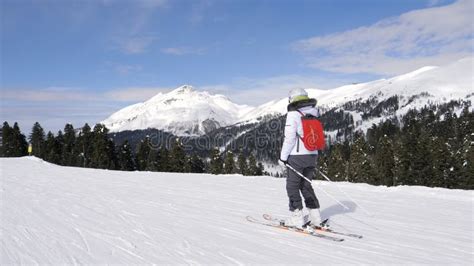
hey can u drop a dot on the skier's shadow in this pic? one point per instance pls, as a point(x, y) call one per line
point(337, 209)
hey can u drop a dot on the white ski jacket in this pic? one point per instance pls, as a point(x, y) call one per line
point(293, 145)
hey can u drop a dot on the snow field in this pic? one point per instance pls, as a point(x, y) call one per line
point(64, 215)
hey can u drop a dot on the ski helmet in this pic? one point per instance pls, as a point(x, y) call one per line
point(297, 94)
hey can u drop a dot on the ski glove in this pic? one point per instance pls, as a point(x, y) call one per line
point(282, 163)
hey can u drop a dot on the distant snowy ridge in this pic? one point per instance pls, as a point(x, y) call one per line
point(186, 111)
point(450, 82)
point(183, 111)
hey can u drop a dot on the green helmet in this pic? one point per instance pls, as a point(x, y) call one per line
point(297, 94)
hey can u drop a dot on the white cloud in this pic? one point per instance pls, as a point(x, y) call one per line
point(127, 69)
point(133, 34)
point(47, 94)
point(258, 91)
point(183, 51)
point(141, 3)
point(198, 10)
point(136, 45)
point(434, 2)
point(152, 3)
point(121, 69)
point(54, 107)
point(133, 94)
point(431, 36)
point(63, 94)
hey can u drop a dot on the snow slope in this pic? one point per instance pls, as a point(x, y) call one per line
point(183, 111)
point(64, 215)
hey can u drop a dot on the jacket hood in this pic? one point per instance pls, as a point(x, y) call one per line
point(300, 104)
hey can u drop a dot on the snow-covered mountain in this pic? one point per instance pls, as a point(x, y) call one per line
point(56, 215)
point(183, 111)
point(429, 84)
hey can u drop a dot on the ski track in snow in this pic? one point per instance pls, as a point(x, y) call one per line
point(64, 215)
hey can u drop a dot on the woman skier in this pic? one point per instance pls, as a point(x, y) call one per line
point(294, 153)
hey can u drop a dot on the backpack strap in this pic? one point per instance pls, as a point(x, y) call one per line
point(298, 135)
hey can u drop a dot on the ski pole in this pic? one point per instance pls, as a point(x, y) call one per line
point(343, 192)
point(307, 179)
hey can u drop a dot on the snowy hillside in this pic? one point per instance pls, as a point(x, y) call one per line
point(183, 111)
point(186, 111)
point(65, 215)
point(442, 84)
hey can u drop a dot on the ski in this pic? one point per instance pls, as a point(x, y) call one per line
point(323, 229)
point(307, 231)
point(268, 217)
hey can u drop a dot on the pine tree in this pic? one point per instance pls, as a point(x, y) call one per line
point(252, 166)
point(405, 153)
point(49, 147)
point(467, 173)
point(69, 157)
point(423, 160)
point(52, 149)
point(441, 166)
point(84, 147)
point(143, 152)
point(37, 140)
point(19, 142)
point(385, 162)
point(447, 128)
point(177, 160)
point(8, 148)
point(215, 165)
point(337, 164)
point(466, 136)
point(260, 169)
point(197, 165)
point(322, 162)
point(396, 159)
point(229, 164)
point(112, 155)
point(102, 156)
point(164, 155)
point(187, 164)
point(153, 161)
point(59, 146)
point(243, 167)
point(360, 163)
point(125, 157)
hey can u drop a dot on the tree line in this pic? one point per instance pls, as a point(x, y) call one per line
point(433, 146)
point(93, 148)
point(425, 148)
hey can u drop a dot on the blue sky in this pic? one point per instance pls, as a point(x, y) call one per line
point(79, 61)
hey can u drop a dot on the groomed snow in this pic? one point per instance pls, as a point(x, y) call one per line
point(65, 215)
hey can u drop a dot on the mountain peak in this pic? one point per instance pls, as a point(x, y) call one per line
point(184, 89)
point(183, 111)
point(188, 111)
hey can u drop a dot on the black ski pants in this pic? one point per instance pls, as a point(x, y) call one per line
point(295, 184)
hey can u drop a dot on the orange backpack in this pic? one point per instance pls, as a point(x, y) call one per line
point(313, 134)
